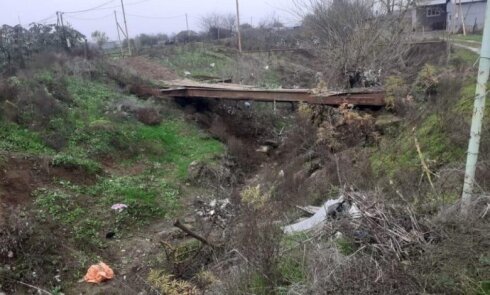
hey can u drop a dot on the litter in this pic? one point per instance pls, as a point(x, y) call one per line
point(119, 207)
point(330, 208)
point(99, 273)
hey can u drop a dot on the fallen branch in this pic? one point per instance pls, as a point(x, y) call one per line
point(41, 291)
point(196, 236)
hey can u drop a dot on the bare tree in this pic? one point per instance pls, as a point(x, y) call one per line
point(100, 38)
point(353, 36)
point(219, 26)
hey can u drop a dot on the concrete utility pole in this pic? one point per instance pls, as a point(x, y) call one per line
point(118, 33)
point(238, 26)
point(477, 120)
point(126, 27)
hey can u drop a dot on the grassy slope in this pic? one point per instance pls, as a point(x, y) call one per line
point(94, 136)
point(398, 155)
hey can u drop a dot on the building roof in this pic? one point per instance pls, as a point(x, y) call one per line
point(440, 2)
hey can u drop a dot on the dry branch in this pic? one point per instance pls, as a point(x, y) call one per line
point(196, 236)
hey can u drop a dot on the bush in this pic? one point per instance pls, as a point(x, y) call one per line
point(426, 84)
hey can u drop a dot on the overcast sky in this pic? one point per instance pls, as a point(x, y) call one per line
point(144, 16)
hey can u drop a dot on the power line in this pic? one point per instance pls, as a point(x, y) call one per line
point(156, 17)
point(89, 19)
point(89, 9)
point(46, 18)
point(115, 6)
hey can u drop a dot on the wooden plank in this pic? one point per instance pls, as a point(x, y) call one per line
point(360, 98)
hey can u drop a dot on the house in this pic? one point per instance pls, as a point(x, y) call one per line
point(437, 15)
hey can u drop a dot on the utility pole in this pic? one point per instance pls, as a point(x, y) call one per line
point(477, 120)
point(126, 27)
point(187, 26)
point(118, 33)
point(65, 41)
point(238, 27)
point(461, 16)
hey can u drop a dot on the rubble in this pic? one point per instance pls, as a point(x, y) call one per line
point(217, 211)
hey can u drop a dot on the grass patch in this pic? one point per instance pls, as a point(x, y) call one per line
point(73, 162)
point(466, 103)
point(85, 211)
point(472, 37)
point(463, 56)
point(14, 138)
point(436, 147)
point(90, 99)
point(181, 143)
point(63, 208)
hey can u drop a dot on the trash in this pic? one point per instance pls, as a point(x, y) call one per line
point(218, 211)
point(317, 219)
point(330, 208)
point(186, 73)
point(119, 207)
point(98, 273)
point(212, 65)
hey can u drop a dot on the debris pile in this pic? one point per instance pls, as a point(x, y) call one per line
point(215, 211)
point(368, 222)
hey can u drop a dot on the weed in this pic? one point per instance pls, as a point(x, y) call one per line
point(292, 270)
point(13, 138)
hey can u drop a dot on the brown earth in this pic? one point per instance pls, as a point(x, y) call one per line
point(21, 175)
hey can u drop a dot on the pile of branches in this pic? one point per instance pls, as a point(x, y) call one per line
point(391, 232)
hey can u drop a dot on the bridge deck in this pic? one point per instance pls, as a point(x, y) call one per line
point(191, 89)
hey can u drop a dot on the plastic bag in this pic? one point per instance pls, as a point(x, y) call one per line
point(98, 273)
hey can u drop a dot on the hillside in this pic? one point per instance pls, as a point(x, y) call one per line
point(79, 137)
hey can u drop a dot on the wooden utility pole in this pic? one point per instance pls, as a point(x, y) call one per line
point(65, 41)
point(126, 27)
point(461, 16)
point(118, 33)
point(238, 26)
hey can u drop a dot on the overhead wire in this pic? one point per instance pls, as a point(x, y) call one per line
point(101, 7)
point(156, 17)
point(46, 18)
point(89, 9)
point(90, 19)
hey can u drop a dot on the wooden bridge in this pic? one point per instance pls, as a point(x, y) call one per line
point(189, 89)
